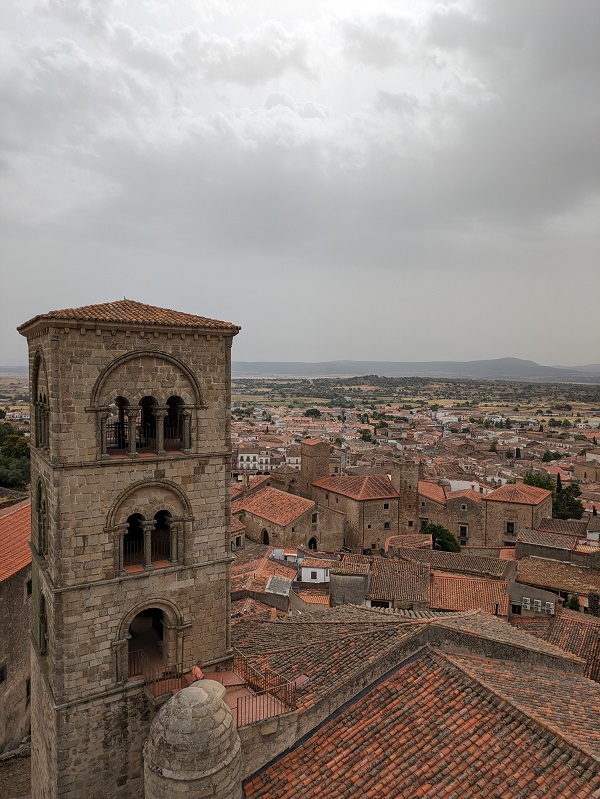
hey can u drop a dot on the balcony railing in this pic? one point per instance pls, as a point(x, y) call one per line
point(158, 682)
point(273, 694)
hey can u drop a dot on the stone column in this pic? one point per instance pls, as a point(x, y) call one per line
point(184, 551)
point(118, 534)
point(174, 533)
point(132, 415)
point(121, 648)
point(160, 413)
point(148, 527)
point(187, 430)
point(103, 415)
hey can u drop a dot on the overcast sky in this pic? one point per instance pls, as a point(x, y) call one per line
point(374, 180)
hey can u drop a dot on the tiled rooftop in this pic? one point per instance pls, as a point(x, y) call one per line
point(15, 532)
point(273, 505)
point(457, 562)
point(131, 312)
point(409, 541)
point(373, 486)
point(432, 491)
point(547, 539)
point(577, 633)
point(518, 494)
point(442, 726)
point(352, 564)
point(454, 592)
point(467, 493)
point(559, 576)
point(565, 526)
point(398, 580)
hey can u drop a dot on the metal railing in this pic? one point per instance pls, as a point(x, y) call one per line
point(173, 438)
point(117, 435)
point(273, 694)
point(158, 682)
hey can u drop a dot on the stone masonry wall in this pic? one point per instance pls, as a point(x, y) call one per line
point(15, 607)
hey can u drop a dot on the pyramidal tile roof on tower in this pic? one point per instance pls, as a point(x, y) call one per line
point(130, 312)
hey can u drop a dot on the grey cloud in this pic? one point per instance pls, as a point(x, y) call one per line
point(378, 41)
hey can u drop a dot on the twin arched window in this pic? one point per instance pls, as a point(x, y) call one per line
point(149, 543)
point(147, 427)
point(41, 517)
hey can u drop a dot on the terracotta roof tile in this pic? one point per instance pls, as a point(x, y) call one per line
point(131, 312)
point(546, 539)
point(457, 562)
point(564, 526)
point(314, 596)
point(467, 493)
point(15, 532)
point(409, 541)
point(273, 505)
point(432, 491)
point(518, 494)
point(559, 576)
point(373, 486)
point(449, 726)
point(397, 580)
point(577, 633)
point(453, 592)
point(353, 564)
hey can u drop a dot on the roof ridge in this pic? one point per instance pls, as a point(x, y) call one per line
point(498, 699)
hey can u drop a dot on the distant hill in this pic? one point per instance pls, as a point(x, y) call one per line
point(14, 370)
point(496, 369)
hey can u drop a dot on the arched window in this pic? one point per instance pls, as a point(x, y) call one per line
point(41, 513)
point(146, 426)
point(146, 643)
point(265, 537)
point(174, 425)
point(117, 427)
point(42, 626)
point(312, 544)
point(41, 419)
point(160, 542)
point(133, 541)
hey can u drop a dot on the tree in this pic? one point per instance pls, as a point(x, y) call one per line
point(538, 479)
point(558, 483)
point(366, 435)
point(14, 446)
point(565, 504)
point(573, 602)
point(314, 412)
point(442, 538)
point(494, 446)
point(551, 455)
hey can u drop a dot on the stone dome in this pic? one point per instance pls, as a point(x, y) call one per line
point(194, 744)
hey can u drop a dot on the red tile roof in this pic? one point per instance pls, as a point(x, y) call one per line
point(518, 494)
point(253, 575)
point(273, 505)
point(559, 576)
point(373, 486)
point(467, 493)
point(449, 726)
point(131, 312)
point(15, 532)
point(399, 581)
point(432, 491)
point(236, 525)
point(253, 483)
point(318, 563)
point(314, 596)
point(453, 592)
point(409, 541)
point(353, 564)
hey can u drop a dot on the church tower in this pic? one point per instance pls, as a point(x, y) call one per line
point(405, 475)
point(130, 471)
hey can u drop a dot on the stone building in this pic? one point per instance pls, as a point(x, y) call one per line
point(484, 520)
point(15, 607)
point(274, 517)
point(130, 472)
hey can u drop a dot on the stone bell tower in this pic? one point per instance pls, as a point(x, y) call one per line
point(130, 463)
